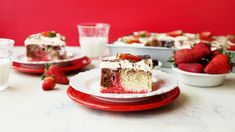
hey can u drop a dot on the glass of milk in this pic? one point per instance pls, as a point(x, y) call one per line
point(6, 46)
point(92, 38)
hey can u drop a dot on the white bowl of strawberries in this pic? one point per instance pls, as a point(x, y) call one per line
point(202, 67)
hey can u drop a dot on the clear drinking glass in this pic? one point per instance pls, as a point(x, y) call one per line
point(6, 46)
point(92, 38)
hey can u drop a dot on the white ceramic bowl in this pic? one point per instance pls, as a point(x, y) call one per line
point(199, 79)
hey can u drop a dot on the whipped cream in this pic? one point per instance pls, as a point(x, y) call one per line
point(42, 40)
point(145, 64)
point(164, 37)
point(220, 41)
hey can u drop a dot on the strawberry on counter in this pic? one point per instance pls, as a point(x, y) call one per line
point(48, 83)
point(57, 73)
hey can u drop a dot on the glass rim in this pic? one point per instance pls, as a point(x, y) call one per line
point(9, 41)
point(92, 25)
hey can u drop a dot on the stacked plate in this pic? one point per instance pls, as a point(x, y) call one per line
point(84, 89)
point(75, 60)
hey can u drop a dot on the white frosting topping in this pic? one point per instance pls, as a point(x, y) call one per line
point(145, 64)
point(187, 40)
point(164, 37)
point(42, 40)
point(220, 41)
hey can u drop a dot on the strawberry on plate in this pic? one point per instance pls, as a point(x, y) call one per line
point(220, 64)
point(57, 73)
point(191, 67)
point(175, 33)
point(48, 83)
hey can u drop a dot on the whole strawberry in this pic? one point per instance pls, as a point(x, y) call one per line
point(57, 72)
point(184, 56)
point(201, 50)
point(215, 53)
point(191, 67)
point(220, 64)
point(48, 83)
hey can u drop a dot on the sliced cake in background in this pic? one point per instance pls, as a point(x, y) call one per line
point(45, 46)
point(126, 73)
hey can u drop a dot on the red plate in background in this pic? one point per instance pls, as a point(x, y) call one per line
point(151, 103)
point(66, 66)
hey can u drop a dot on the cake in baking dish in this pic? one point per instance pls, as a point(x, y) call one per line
point(126, 73)
point(45, 46)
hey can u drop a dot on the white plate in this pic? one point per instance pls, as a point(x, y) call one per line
point(72, 54)
point(89, 82)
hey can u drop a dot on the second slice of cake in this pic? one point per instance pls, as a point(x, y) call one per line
point(126, 73)
point(45, 46)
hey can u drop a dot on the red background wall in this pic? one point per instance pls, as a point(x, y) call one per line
point(20, 18)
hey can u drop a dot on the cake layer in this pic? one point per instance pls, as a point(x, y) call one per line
point(36, 52)
point(45, 46)
point(125, 81)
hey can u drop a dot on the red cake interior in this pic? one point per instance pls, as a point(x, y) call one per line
point(111, 80)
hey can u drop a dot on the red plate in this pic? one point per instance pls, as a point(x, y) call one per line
point(92, 102)
point(70, 66)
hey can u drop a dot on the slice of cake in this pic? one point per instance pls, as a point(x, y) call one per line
point(45, 46)
point(126, 73)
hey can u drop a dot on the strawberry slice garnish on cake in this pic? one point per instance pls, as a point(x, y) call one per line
point(231, 37)
point(175, 33)
point(129, 57)
point(48, 34)
point(141, 34)
point(231, 47)
point(206, 36)
point(130, 40)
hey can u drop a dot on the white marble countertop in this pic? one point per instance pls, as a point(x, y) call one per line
point(25, 107)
